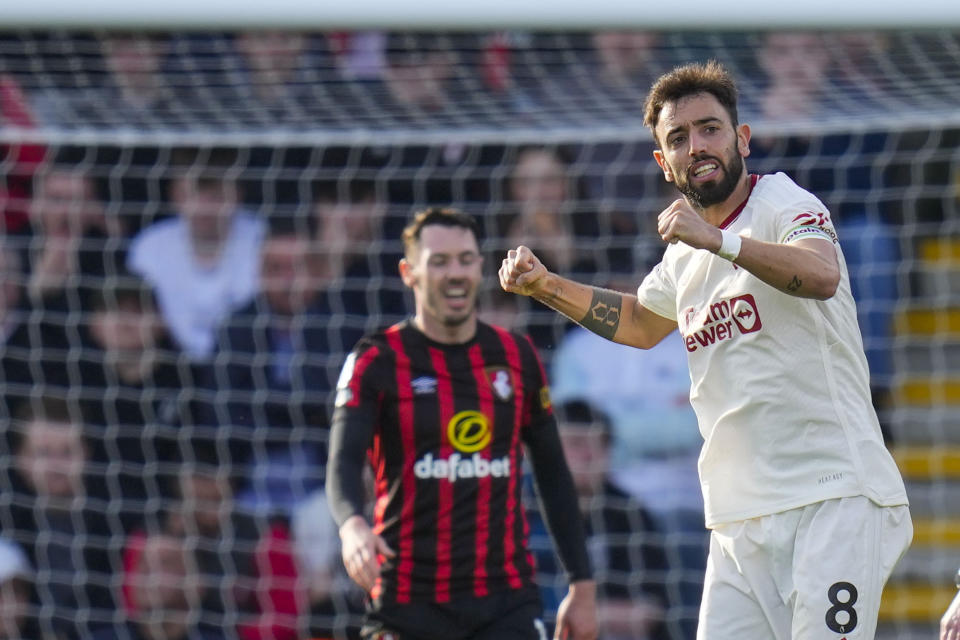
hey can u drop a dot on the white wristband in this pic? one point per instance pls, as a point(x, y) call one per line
point(729, 245)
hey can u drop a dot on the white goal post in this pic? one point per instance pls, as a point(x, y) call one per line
point(441, 14)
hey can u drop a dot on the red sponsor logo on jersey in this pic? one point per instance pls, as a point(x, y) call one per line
point(720, 321)
point(812, 218)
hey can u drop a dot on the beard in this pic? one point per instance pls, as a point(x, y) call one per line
point(710, 193)
point(456, 321)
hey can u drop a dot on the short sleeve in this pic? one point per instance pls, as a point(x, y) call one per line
point(806, 219)
point(658, 292)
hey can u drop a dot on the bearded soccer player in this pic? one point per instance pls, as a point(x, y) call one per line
point(807, 510)
point(441, 405)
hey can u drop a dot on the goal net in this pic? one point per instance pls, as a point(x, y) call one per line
point(166, 403)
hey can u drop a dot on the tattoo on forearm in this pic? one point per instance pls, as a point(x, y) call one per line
point(548, 298)
point(551, 298)
point(603, 318)
point(794, 284)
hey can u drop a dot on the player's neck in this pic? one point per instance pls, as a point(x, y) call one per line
point(446, 334)
point(718, 213)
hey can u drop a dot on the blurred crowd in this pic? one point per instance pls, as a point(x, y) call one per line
point(357, 80)
point(174, 316)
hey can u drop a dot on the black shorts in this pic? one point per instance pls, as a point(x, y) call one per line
point(509, 615)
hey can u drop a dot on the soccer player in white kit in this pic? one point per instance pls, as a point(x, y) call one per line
point(807, 510)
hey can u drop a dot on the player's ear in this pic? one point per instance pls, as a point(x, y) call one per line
point(667, 173)
point(406, 272)
point(743, 140)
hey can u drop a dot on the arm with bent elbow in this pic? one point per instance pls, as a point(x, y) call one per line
point(807, 268)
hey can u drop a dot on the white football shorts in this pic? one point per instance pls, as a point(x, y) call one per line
point(806, 574)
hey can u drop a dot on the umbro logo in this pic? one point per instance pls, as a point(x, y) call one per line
point(424, 385)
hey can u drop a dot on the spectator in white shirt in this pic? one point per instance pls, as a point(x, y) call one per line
point(204, 262)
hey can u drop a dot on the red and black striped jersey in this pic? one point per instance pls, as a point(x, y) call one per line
point(448, 423)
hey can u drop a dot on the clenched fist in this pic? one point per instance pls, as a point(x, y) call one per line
point(522, 272)
point(681, 223)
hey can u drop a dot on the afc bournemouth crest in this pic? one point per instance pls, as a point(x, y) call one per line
point(501, 382)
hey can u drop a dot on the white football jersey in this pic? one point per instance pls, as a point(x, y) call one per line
point(779, 383)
